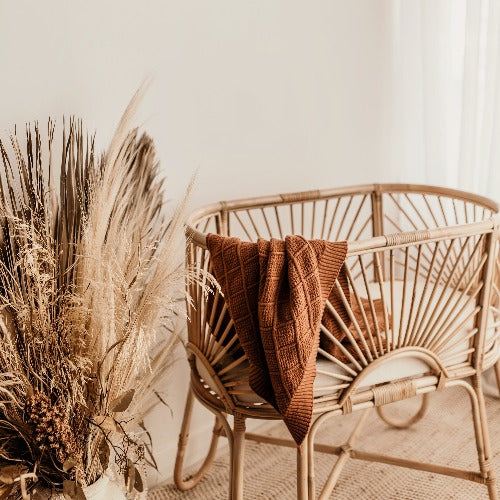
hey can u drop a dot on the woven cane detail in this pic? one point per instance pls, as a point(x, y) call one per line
point(389, 393)
point(409, 237)
point(347, 408)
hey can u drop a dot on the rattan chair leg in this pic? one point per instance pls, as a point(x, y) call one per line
point(311, 483)
point(302, 470)
point(182, 484)
point(484, 448)
point(238, 457)
point(334, 475)
point(481, 432)
point(497, 375)
point(344, 455)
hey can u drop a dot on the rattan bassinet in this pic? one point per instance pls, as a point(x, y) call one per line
point(428, 254)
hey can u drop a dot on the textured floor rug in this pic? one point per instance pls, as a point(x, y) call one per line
point(445, 436)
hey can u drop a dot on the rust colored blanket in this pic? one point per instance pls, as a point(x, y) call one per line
point(275, 292)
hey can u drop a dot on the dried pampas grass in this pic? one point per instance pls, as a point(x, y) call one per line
point(89, 284)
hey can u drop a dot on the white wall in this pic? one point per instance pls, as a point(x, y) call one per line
point(260, 96)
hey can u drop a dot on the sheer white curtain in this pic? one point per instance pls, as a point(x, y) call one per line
point(446, 95)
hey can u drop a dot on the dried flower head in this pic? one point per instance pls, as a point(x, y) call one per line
point(51, 428)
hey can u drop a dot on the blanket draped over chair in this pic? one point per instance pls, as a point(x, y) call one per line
point(276, 292)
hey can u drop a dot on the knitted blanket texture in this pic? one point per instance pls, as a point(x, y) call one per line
point(276, 292)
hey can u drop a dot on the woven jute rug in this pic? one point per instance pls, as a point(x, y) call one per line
point(445, 436)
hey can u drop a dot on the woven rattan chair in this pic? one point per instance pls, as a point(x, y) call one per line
point(428, 254)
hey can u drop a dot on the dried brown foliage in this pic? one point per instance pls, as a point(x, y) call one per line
point(89, 280)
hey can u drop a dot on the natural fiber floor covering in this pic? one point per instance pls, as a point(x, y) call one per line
point(444, 436)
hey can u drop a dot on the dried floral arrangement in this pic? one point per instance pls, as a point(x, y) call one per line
point(89, 279)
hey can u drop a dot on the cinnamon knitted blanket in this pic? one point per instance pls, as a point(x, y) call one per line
point(276, 292)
